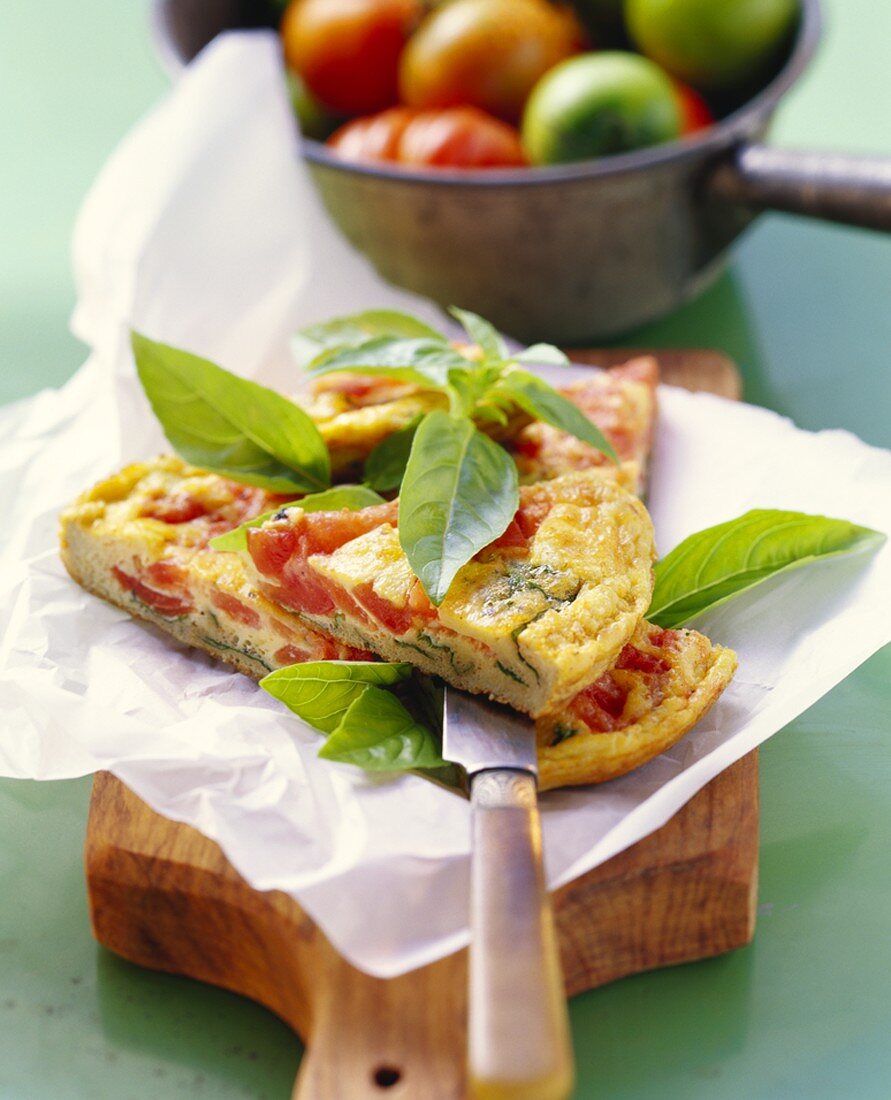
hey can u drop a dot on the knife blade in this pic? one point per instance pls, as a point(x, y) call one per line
point(518, 1033)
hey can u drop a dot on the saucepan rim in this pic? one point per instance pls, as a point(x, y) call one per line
point(735, 127)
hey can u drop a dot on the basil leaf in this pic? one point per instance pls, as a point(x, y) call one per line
point(486, 336)
point(330, 500)
point(718, 563)
point(542, 401)
point(356, 329)
point(229, 425)
point(541, 353)
point(424, 362)
point(459, 493)
point(321, 692)
point(378, 733)
point(385, 465)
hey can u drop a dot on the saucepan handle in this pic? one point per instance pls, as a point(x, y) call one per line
point(855, 190)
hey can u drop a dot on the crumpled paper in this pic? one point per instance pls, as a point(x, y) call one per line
point(204, 231)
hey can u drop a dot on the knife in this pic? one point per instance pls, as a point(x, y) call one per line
point(518, 1033)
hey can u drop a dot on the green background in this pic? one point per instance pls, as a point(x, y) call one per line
point(804, 309)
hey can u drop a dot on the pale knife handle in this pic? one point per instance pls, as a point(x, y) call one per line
point(519, 1045)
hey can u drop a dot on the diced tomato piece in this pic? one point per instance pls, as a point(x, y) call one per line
point(664, 639)
point(291, 655)
point(280, 552)
point(396, 619)
point(282, 629)
point(531, 514)
point(636, 660)
point(512, 537)
point(303, 590)
point(326, 532)
point(176, 508)
point(235, 608)
point(248, 501)
point(526, 445)
point(419, 601)
point(166, 604)
point(350, 654)
point(353, 385)
point(600, 705)
point(167, 574)
point(273, 546)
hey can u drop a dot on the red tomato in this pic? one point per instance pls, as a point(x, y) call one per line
point(375, 137)
point(457, 137)
point(460, 137)
point(695, 114)
point(347, 51)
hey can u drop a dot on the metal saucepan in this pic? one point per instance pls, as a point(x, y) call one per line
point(577, 252)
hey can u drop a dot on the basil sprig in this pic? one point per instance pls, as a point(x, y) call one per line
point(329, 500)
point(229, 425)
point(716, 564)
point(458, 489)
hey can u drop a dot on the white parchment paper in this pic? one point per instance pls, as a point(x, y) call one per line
point(203, 231)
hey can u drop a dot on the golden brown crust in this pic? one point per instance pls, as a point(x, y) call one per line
point(698, 675)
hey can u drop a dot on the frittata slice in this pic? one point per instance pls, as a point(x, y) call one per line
point(139, 540)
point(622, 403)
point(355, 412)
point(660, 686)
point(534, 618)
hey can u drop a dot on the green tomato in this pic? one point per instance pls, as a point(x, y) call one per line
point(712, 44)
point(597, 104)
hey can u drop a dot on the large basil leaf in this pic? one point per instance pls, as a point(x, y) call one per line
point(543, 402)
point(378, 733)
point(386, 464)
point(229, 425)
point(357, 328)
point(329, 500)
point(321, 692)
point(718, 563)
point(459, 493)
point(424, 362)
point(484, 335)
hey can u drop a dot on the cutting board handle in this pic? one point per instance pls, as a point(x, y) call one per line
point(399, 1039)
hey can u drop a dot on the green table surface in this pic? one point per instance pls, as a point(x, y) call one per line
point(804, 309)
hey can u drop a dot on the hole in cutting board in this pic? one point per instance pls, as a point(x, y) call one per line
point(385, 1077)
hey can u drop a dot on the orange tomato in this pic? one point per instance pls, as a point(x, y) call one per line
point(695, 113)
point(455, 137)
point(486, 53)
point(347, 51)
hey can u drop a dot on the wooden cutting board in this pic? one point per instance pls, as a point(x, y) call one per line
point(165, 897)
